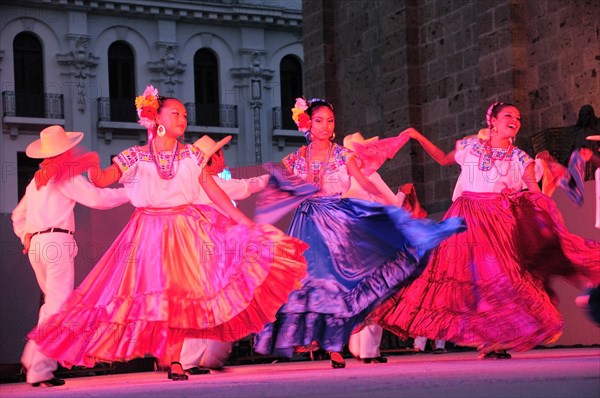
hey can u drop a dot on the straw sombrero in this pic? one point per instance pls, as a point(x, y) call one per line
point(352, 139)
point(209, 146)
point(53, 141)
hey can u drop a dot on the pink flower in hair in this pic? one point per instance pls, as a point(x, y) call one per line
point(300, 116)
point(301, 104)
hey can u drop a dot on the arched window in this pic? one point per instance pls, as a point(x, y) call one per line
point(290, 76)
point(121, 82)
point(206, 88)
point(29, 75)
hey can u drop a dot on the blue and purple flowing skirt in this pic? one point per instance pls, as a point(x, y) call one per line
point(359, 253)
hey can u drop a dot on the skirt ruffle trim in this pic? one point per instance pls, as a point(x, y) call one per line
point(503, 316)
point(148, 323)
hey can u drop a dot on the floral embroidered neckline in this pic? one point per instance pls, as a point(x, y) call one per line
point(315, 173)
point(164, 161)
point(489, 156)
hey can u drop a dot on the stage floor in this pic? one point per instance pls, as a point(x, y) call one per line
point(557, 372)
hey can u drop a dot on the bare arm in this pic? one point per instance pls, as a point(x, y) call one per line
point(529, 178)
point(220, 198)
point(445, 159)
point(364, 182)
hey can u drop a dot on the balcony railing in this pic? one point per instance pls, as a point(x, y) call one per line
point(212, 115)
point(48, 106)
point(116, 110)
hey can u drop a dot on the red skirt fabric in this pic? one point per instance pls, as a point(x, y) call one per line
point(489, 287)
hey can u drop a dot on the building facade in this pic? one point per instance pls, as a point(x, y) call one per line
point(235, 65)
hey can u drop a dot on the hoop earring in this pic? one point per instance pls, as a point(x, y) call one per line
point(494, 131)
point(311, 137)
point(160, 131)
point(332, 137)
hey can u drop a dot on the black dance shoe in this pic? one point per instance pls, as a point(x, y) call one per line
point(499, 354)
point(53, 382)
point(197, 370)
point(337, 360)
point(176, 376)
point(378, 359)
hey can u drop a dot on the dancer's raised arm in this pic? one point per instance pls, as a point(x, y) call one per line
point(445, 159)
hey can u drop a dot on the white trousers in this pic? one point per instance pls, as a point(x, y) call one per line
point(52, 257)
point(204, 353)
point(421, 341)
point(365, 344)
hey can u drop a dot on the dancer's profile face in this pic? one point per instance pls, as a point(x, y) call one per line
point(173, 116)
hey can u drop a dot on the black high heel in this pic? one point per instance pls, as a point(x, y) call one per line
point(498, 354)
point(53, 382)
point(176, 376)
point(378, 359)
point(338, 362)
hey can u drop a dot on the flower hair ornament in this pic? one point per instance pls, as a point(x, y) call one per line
point(147, 107)
point(489, 113)
point(300, 116)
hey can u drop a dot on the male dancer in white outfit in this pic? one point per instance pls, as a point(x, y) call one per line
point(365, 344)
point(421, 341)
point(45, 223)
point(199, 355)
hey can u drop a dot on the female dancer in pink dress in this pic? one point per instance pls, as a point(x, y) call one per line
point(488, 287)
point(173, 272)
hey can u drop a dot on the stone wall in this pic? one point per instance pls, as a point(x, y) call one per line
point(437, 65)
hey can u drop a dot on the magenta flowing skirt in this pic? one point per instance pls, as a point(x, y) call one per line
point(488, 287)
point(174, 273)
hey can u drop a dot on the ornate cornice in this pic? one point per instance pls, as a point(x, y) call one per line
point(168, 66)
point(200, 11)
point(81, 62)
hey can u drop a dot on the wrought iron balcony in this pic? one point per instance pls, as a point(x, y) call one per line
point(33, 105)
point(212, 115)
point(285, 131)
point(116, 110)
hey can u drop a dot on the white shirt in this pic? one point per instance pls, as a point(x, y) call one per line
point(357, 191)
point(236, 189)
point(52, 205)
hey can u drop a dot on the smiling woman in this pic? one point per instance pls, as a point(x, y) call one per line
point(489, 286)
point(177, 270)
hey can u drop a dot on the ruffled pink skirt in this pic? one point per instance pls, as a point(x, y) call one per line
point(174, 273)
point(488, 287)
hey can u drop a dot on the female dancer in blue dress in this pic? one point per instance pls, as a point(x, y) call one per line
point(359, 251)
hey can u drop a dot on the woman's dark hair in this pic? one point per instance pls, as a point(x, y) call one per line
point(494, 110)
point(162, 100)
point(317, 103)
point(501, 105)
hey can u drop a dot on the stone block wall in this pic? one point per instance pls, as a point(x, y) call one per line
point(436, 65)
